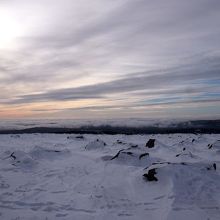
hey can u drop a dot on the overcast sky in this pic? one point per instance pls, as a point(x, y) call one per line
point(108, 59)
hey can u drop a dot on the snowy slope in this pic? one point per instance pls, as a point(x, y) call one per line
point(60, 176)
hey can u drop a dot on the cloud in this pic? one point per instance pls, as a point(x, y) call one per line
point(189, 79)
point(136, 51)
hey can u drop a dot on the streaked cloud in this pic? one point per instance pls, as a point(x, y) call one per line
point(111, 56)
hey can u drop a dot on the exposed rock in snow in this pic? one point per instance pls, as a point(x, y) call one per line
point(150, 143)
point(76, 137)
point(150, 175)
point(143, 155)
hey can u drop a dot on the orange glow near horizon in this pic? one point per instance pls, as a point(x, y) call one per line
point(41, 109)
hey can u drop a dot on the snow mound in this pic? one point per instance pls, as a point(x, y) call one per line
point(192, 186)
point(21, 159)
point(45, 153)
point(216, 145)
point(161, 150)
point(97, 144)
point(186, 156)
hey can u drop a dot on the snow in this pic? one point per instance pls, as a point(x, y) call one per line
point(60, 176)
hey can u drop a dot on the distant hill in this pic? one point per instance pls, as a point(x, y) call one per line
point(192, 126)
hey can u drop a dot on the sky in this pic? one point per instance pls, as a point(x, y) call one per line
point(109, 59)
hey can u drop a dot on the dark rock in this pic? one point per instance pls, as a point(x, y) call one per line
point(120, 142)
point(161, 163)
point(214, 165)
point(150, 176)
point(150, 143)
point(184, 149)
point(178, 155)
point(193, 140)
point(134, 146)
point(56, 151)
point(143, 155)
point(129, 153)
point(76, 137)
point(80, 137)
point(15, 136)
point(13, 156)
point(117, 154)
point(210, 146)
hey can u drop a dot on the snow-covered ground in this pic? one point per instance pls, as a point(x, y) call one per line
point(105, 177)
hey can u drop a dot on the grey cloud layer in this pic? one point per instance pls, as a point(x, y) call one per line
point(146, 50)
point(191, 79)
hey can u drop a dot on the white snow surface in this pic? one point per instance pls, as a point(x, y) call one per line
point(60, 176)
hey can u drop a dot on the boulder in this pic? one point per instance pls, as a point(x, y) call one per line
point(150, 143)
